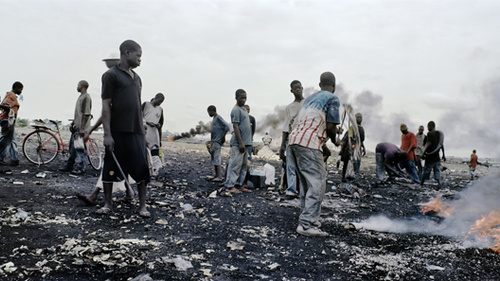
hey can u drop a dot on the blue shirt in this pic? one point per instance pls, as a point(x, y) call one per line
point(219, 128)
point(240, 116)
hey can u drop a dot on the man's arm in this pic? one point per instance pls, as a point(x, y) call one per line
point(108, 140)
point(284, 138)
point(85, 119)
point(331, 132)
point(93, 128)
point(237, 134)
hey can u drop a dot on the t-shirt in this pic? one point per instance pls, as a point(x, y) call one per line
point(219, 128)
point(253, 124)
point(10, 99)
point(473, 160)
point(240, 116)
point(125, 94)
point(151, 113)
point(83, 107)
point(310, 125)
point(421, 140)
point(433, 137)
point(409, 140)
point(388, 150)
point(291, 111)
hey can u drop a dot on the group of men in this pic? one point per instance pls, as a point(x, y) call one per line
point(414, 148)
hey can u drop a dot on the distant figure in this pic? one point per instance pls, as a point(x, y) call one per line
point(316, 122)
point(217, 138)
point(409, 144)
point(388, 156)
point(361, 130)
point(291, 112)
point(240, 141)
point(253, 125)
point(421, 140)
point(472, 164)
point(81, 123)
point(10, 107)
point(348, 147)
point(123, 127)
point(267, 139)
point(435, 140)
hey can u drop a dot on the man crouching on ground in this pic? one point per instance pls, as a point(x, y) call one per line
point(316, 122)
point(123, 128)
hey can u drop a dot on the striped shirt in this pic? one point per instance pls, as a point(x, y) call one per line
point(310, 124)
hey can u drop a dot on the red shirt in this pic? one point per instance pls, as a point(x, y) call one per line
point(409, 140)
point(473, 160)
point(10, 99)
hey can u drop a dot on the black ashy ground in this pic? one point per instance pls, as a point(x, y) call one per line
point(195, 234)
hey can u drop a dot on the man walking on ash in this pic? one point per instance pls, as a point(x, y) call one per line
point(316, 122)
point(123, 127)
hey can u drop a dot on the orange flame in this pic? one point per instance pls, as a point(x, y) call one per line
point(171, 139)
point(489, 227)
point(437, 206)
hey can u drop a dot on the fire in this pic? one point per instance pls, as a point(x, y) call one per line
point(171, 139)
point(437, 206)
point(489, 227)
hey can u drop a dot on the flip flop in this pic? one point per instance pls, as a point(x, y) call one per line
point(86, 199)
point(144, 214)
point(217, 180)
point(103, 211)
point(243, 189)
point(234, 190)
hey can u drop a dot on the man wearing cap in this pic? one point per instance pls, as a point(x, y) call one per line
point(408, 144)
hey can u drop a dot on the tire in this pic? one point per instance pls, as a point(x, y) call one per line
point(94, 155)
point(40, 147)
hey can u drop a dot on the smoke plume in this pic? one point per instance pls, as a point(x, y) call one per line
point(200, 129)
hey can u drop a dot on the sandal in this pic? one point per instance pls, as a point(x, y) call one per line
point(217, 180)
point(234, 190)
point(103, 211)
point(86, 199)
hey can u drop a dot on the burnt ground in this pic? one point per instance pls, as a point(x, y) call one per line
point(48, 234)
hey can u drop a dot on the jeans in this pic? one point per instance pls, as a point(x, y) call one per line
point(249, 149)
point(291, 176)
point(409, 166)
point(77, 158)
point(311, 175)
point(356, 164)
point(237, 168)
point(8, 141)
point(433, 166)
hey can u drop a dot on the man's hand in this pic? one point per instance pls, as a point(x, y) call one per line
point(109, 142)
point(86, 136)
point(151, 124)
point(282, 152)
point(444, 158)
point(241, 147)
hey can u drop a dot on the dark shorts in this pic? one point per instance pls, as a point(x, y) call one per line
point(130, 151)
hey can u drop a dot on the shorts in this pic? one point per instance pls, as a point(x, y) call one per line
point(130, 151)
point(215, 150)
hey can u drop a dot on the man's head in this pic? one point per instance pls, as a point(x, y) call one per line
point(420, 129)
point(431, 126)
point(474, 151)
point(17, 88)
point(212, 110)
point(327, 82)
point(359, 118)
point(130, 53)
point(296, 88)
point(82, 86)
point(241, 97)
point(401, 155)
point(403, 128)
point(158, 99)
point(247, 108)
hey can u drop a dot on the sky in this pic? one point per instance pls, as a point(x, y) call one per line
point(395, 61)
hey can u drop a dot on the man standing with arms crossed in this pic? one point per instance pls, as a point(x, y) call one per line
point(291, 112)
point(81, 123)
point(123, 127)
point(316, 122)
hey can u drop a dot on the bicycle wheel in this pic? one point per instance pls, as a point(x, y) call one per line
point(94, 154)
point(40, 147)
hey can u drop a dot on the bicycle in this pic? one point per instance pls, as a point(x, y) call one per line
point(42, 145)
